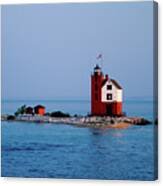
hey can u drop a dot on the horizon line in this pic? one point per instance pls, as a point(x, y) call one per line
point(145, 98)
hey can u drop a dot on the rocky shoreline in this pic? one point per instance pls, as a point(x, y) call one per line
point(82, 121)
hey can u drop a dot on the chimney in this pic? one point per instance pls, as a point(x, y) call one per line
point(106, 77)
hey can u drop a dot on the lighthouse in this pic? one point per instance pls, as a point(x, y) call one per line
point(106, 95)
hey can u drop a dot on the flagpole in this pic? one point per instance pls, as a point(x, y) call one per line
point(102, 62)
point(100, 59)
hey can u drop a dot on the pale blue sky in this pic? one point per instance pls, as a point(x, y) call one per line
point(49, 50)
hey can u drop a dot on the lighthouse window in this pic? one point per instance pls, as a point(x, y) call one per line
point(109, 96)
point(109, 87)
point(96, 97)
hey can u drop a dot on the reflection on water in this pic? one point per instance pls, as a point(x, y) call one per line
point(97, 132)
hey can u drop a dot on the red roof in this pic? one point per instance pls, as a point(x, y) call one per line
point(114, 82)
point(39, 106)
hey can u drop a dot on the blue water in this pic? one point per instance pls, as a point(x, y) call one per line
point(62, 151)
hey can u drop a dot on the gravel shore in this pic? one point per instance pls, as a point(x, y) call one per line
point(93, 121)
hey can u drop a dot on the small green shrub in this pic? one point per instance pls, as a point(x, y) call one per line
point(10, 117)
point(59, 114)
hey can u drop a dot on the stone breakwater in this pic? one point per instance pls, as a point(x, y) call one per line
point(83, 121)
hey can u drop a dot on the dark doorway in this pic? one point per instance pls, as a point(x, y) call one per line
point(109, 109)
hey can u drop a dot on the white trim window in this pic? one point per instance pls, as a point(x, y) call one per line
point(109, 96)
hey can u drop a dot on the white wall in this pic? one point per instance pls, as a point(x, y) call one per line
point(116, 93)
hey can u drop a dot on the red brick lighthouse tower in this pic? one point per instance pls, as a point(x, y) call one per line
point(106, 95)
